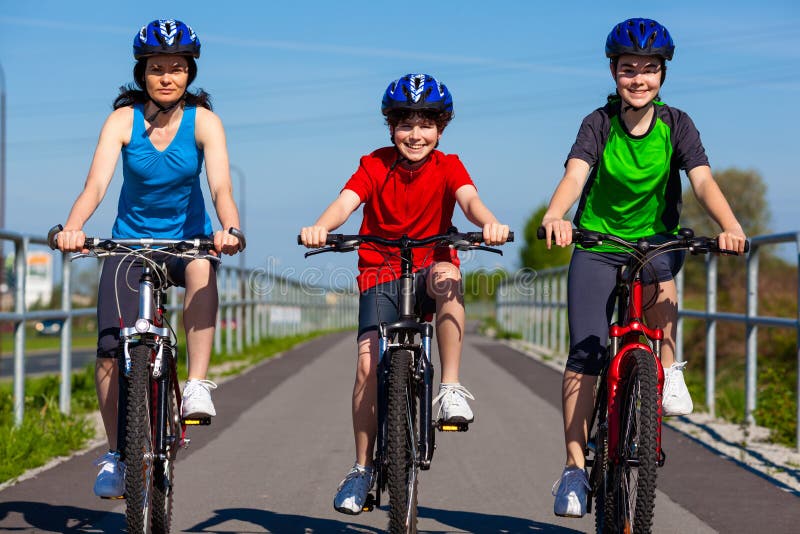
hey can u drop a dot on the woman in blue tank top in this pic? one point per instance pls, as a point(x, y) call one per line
point(164, 134)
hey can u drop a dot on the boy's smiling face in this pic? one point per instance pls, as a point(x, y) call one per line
point(415, 138)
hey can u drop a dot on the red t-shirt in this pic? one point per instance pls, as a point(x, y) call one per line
point(416, 203)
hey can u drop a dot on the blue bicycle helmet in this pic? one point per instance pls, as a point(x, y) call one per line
point(641, 37)
point(166, 36)
point(417, 92)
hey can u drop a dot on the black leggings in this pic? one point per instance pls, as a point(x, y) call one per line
point(590, 301)
point(108, 316)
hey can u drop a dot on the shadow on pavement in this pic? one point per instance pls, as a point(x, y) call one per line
point(473, 522)
point(43, 517)
point(478, 523)
point(276, 522)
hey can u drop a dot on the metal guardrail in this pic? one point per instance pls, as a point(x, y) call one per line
point(534, 305)
point(253, 304)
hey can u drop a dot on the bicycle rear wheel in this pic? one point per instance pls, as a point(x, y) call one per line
point(163, 469)
point(401, 439)
point(139, 443)
point(633, 477)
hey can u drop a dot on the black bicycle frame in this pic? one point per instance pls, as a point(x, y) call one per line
point(402, 335)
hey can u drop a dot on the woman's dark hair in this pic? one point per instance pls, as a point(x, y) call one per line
point(441, 118)
point(134, 93)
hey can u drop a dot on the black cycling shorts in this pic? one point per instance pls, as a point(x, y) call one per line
point(590, 301)
point(127, 285)
point(379, 304)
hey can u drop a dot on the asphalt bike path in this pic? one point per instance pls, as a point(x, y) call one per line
point(282, 441)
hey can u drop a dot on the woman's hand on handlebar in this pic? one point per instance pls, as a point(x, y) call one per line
point(313, 236)
point(226, 243)
point(495, 233)
point(71, 241)
point(558, 231)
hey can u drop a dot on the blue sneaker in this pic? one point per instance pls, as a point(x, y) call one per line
point(570, 492)
point(110, 481)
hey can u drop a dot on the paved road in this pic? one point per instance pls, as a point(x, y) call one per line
point(282, 441)
point(46, 362)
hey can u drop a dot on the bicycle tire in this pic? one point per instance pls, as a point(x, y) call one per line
point(139, 443)
point(164, 468)
point(634, 484)
point(602, 503)
point(400, 461)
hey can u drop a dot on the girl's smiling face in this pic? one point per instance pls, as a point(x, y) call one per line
point(638, 78)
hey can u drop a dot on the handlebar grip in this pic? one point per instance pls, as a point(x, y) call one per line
point(540, 232)
point(235, 232)
point(52, 234)
point(746, 246)
point(332, 239)
point(477, 237)
point(52, 237)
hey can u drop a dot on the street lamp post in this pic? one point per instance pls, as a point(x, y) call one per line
point(242, 212)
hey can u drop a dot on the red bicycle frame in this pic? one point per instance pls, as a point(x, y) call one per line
point(625, 338)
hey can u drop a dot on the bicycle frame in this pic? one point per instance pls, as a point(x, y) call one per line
point(625, 337)
point(402, 335)
point(149, 329)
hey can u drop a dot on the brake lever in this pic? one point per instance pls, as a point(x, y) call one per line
point(318, 251)
point(487, 249)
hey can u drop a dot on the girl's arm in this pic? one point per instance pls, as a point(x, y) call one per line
point(114, 134)
point(713, 201)
point(566, 194)
point(478, 214)
point(335, 215)
point(210, 137)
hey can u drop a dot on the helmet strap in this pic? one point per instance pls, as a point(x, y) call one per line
point(164, 109)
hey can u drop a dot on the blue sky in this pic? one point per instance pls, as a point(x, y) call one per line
point(298, 87)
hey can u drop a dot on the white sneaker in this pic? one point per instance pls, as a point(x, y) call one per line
point(352, 491)
point(110, 481)
point(570, 492)
point(197, 399)
point(454, 407)
point(676, 399)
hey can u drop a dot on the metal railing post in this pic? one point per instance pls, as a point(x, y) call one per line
point(21, 268)
point(751, 361)
point(65, 393)
point(711, 333)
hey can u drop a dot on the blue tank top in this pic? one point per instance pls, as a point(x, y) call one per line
point(161, 195)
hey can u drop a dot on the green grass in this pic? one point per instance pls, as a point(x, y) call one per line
point(47, 433)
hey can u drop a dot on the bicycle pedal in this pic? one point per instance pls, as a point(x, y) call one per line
point(120, 498)
point(369, 503)
point(202, 421)
point(452, 427)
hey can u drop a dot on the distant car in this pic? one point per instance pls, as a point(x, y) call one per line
point(49, 327)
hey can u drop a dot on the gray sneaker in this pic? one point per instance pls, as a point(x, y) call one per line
point(352, 491)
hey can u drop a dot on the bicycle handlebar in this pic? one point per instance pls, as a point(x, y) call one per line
point(180, 245)
point(685, 240)
point(453, 238)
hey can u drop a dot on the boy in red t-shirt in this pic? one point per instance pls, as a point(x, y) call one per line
point(409, 188)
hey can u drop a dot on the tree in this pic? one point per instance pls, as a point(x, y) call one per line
point(745, 192)
point(534, 253)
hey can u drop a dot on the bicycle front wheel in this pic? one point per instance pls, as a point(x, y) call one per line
point(139, 443)
point(401, 439)
point(634, 475)
point(164, 466)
